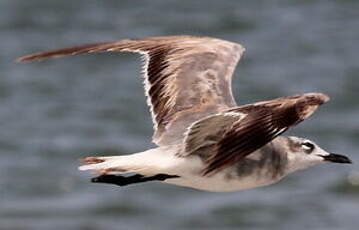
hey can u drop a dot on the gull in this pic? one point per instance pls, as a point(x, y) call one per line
point(204, 139)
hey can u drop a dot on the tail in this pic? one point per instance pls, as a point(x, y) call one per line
point(148, 163)
point(104, 165)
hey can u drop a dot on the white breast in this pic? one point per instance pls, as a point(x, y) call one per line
point(189, 169)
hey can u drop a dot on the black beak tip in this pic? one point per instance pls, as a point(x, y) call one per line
point(337, 158)
point(347, 161)
point(94, 180)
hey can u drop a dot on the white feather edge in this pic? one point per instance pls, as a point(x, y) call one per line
point(189, 128)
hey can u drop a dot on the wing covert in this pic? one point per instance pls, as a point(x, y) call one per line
point(248, 128)
point(186, 78)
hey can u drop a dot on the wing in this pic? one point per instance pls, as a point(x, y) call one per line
point(186, 78)
point(231, 136)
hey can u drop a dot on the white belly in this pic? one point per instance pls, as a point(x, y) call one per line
point(219, 183)
point(189, 170)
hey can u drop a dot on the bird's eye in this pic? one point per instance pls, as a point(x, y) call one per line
point(308, 147)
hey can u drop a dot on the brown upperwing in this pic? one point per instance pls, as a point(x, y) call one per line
point(186, 78)
point(253, 127)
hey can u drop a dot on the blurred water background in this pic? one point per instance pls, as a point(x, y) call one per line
point(54, 112)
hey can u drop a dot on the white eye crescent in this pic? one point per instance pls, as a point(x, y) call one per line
point(308, 146)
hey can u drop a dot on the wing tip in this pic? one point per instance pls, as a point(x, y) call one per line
point(317, 98)
point(55, 53)
point(309, 103)
point(40, 56)
point(24, 58)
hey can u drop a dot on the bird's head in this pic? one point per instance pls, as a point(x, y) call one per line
point(303, 153)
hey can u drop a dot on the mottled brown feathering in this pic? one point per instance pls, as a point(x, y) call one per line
point(186, 78)
point(188, 86)
point(240, 131)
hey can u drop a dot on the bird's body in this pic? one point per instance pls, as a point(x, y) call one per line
point(264, 166)
point(163, 160)
point(258, 169)
point(205, 141)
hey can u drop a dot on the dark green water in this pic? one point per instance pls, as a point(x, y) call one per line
point(54, 112)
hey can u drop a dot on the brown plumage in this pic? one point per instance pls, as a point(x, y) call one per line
point(186, 77)
point(230, 136)
point(188, 85)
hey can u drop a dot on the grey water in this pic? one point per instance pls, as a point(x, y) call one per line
point(54, 112)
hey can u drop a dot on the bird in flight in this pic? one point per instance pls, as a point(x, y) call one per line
point(204, 139)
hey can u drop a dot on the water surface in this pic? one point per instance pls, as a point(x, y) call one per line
point(54, 112)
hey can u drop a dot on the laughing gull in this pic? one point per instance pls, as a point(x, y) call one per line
point(205, 141)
